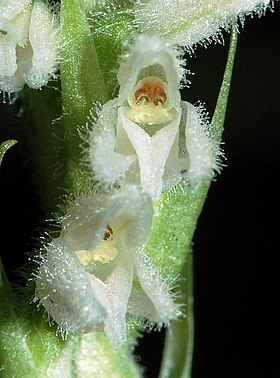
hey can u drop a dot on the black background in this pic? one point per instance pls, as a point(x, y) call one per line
point(236, 244)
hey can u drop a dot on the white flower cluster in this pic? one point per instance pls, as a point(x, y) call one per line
point(28, 44)
point(96, 274)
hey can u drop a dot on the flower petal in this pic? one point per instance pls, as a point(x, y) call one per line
point(150, 56)
point(44, 43)
point(152, 151)
point(11, 84)
point(154, 302)
point(18, 26)
point(200, 147)
point(10, 9)
point(87, 218)
point(113, 295)
point(189, 22)
point(107, 164)
point(8, 57)
point(63, 287)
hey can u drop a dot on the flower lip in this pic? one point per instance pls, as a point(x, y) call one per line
point(149, 104)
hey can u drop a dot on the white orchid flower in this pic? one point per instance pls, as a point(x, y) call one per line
point(28, 44)
point(189, 22)
point(147, 135)
point(96, 272)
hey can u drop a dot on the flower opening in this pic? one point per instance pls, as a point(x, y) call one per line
point(96, 275)
point(147, 135)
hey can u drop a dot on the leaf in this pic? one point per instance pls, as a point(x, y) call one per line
point(5, 146)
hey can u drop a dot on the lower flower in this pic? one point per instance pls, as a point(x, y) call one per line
point(96, 274)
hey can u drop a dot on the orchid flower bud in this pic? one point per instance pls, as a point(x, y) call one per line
point(147, 135)
point(28, 45)
point(96, 273)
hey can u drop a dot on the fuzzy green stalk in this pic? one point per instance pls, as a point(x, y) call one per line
point(82, 85)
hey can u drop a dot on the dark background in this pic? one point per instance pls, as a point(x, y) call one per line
point(236, 244)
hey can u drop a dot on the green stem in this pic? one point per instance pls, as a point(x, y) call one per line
point(15, 356)
point(82, 81)
point(177, 356)
point(82, 85)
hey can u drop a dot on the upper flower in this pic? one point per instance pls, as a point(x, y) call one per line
point(96, 272)
point(189, 22)
point(147, 135)
point(28, 44)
